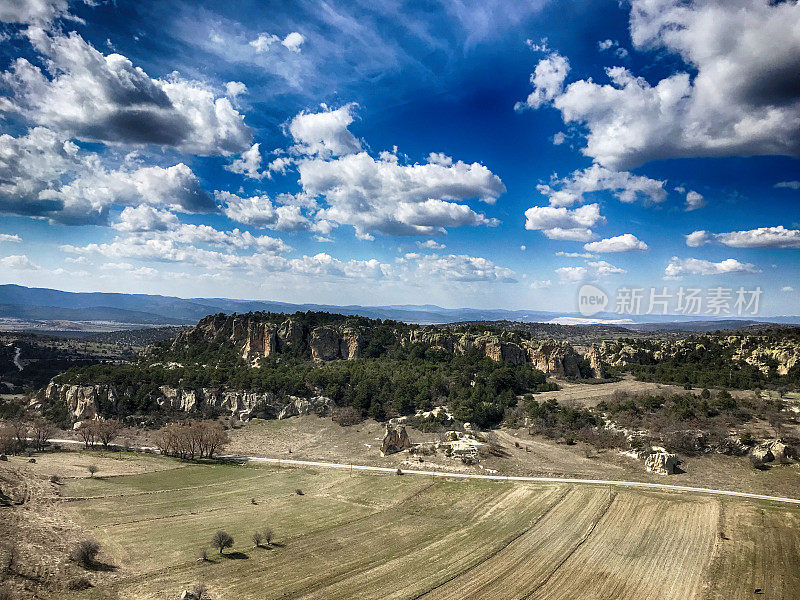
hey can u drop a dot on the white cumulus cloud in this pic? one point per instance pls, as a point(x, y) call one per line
point(626, 242)
point(678, 267)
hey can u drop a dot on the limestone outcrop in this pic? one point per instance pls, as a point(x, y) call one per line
point(775, 450)
point(595, 362)
point(549, 356)
point(89, 402)
point(319, 405)
point(395, 439)
point(660, 461)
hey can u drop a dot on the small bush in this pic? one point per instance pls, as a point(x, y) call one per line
point(85, 553)
point(299, 492)
point(56, 479)
point(92, 470)
point(757, 463)
point(398, 472)
point(258, 539)
point(79, 583)
point(200, 591)
point(268, 536)
point(347, 416)
point(203, 554)
point(3, 458)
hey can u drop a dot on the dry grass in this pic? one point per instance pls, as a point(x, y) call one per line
point(372, 535)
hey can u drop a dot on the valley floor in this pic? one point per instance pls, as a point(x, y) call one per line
point(362, 535)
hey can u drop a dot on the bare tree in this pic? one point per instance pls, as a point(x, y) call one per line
point(221, 540)
point(20, 426)
point(258, 539)
point(108, 431)
point(7, 438)
point(268, 535)
point(88, 433)
point(41, 430)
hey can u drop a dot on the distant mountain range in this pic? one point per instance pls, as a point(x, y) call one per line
point(42, 304)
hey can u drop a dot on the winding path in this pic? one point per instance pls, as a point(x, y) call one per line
point(354, 467)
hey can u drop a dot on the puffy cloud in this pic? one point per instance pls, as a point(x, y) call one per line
point(388, 197)
point(763, 237)
point(39, 13)
point(558, 138)
point(145, 218)
point(235, 88)
point(547, 80)
point(264, 41)
point(293, 41)
point(572, 274)
point(742, 97)
point(18, 262)
point(260, 211)
point(602, 268)
point(698, 238)
point(538, 285)
point(605, 45)
point(106, 98)
point(677, 267)
point(625, 186)
point(593, 270)
point(324, 133)
point(621, 243)
point(248, 164)
point(787, 289)
point(563, 223)
point(431, 245)
point(458, 267)
point(694, 200)
point(42, 174)
point(792, 185)
point(10, 237)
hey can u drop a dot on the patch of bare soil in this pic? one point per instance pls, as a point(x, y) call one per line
point(36, 537)
point(588, 394)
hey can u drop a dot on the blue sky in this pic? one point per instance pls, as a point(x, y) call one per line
point(483, 154)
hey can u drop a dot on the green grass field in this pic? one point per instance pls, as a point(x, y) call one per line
point(387, 536)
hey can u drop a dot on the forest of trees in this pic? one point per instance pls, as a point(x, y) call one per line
point(390, 379)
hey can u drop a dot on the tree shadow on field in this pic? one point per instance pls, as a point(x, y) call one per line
point(236, 555)
point(98, 565)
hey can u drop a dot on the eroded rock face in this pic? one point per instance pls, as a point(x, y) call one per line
point(324, 344)
point(660, 461)
point(554, 358)
point(319, 405)
point(85, 403)
point(595, 362)
point(775, 450)
point(82, 401)
point(395, 439)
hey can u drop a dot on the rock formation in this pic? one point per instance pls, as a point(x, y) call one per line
point(660, 461)
point(595, 362)
point(319, 405)
point(395, 439)
point(775, 450)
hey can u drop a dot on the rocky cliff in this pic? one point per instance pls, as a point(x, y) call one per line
point(86, 402)
point(256, 337)
point(552, 357)
point(768, 353)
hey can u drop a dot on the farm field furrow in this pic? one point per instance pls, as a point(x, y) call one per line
point(371, 535)
point(646, 546)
